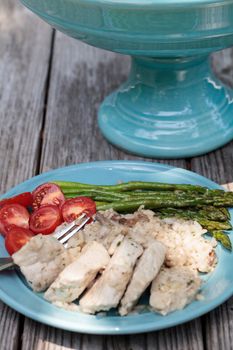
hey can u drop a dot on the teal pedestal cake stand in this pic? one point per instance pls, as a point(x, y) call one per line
point(172, 105)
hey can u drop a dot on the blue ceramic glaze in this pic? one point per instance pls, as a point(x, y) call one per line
point(217, 286)
point(169, 109)
point(171, 106)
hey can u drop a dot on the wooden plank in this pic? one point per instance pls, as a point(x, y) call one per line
point(10, 328)
point(24, 55)
point(222, 65)
point(81, 76)
point(38, 336)
point(188, 336)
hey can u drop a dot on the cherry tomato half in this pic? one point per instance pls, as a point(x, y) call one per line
point(74, 207)
point(16, 238)
point(45, 219)
point(12, 215)
point(24, 199)
point(47, 193)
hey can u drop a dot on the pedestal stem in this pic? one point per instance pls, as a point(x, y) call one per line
point(169, 108)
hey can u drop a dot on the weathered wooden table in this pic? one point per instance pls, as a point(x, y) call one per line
point(50, 89)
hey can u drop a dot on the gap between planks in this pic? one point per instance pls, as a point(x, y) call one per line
point(47, 85)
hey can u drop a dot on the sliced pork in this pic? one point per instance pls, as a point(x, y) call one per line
point(146, 270)
point(41, 260)
point(108, 290)
point(173, 289)
point(76, 277)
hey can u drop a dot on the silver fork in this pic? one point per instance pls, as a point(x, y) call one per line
point(62, 236)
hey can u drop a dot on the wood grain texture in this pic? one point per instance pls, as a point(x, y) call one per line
point(10, 330)
point(222, 65)
point(24, 54)
point(80, 78)
point(187, 336)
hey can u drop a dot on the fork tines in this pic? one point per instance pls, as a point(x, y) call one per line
point(69, 230)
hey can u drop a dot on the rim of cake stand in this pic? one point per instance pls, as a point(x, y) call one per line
point(162, 3)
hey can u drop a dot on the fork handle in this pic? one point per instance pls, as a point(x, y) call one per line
point(6, 263)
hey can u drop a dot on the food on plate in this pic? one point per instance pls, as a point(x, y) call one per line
point(48, 193)
point(146, 270)
point(72, 208)
point(201, 204)
point(41, 212)
point(12, 215)
point(16, 238)
point(102, 230)
point(130, 186)
point(183, 239)
point(173, 289)
point(45, 219)
point(41, 260)
point(24, 199)
point(109, 288)
point(140, 234)
point(78, 275)
point(186, 245)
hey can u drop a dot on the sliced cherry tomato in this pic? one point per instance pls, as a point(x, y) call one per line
point(47, 193)
point(74, 207)
point(24, 199)
point(16, 238)
point(2, 229)
point(12, 215)
point(45, 219)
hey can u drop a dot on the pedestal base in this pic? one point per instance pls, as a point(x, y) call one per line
point(169, 108)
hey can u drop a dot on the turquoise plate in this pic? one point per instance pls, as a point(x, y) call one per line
point(217, 286)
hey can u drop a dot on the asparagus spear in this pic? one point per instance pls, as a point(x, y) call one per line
point(225, 211)
point(222, 238)
point(213, 213)
point(98, 198)
point(144, 187)
point(99, 194)
point(96, 195)
point(156, 203)
point(215, 219)
point(209, 225)
point(111, 197)
point(133, 185)
point(93, 192)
